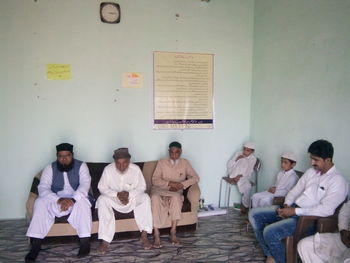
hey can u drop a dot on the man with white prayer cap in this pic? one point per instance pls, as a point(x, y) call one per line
point(285, 180)
point(239, 169)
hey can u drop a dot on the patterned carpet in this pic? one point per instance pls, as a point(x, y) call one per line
point(221, 238)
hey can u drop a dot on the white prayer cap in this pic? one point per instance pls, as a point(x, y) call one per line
point(290, 156)
point(249, 145)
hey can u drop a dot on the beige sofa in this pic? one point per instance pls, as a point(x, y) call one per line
point(125, 222)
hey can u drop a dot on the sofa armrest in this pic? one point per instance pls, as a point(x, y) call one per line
point(33, 195)
point(30, 205)
point(304, 222)
point(327, 224)
point(193, 196)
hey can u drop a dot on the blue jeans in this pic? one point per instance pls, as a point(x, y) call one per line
point(270, 230)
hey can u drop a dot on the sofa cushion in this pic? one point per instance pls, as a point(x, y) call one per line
point(96, 170)
point(34, 188)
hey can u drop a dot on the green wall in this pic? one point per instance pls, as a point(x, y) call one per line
point(301, 77)
point(281, 77)
point(91, 110)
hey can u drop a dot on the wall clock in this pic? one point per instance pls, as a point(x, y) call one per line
point(110, 12)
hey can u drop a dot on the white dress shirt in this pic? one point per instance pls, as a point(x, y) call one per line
point(318, 195)
point(285, 181)
point(243, 166)
point(113, 181)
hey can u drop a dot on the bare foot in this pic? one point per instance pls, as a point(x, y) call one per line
point(244, 210)
point(156, 243)
point(146, 244)
point(173, 238)
point(103, 247)
point(270, 259)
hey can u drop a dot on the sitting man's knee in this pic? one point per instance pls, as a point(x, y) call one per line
point(83, 203)
point(270, 232)
point(305, 244)
point(41, 204)
point(146, 199)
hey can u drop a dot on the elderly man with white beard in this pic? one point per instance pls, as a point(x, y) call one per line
point(122, 187)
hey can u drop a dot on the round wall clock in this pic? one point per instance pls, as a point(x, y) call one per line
point(110, 12)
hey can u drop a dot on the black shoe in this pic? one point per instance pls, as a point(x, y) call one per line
point(34, 251)
point(84, 249)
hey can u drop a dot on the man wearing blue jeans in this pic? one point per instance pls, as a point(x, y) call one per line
point(318, 193)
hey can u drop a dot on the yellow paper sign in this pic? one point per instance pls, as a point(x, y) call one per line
point(132, 80)
point(58, 71)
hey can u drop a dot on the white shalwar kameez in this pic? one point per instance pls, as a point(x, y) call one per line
point(285, 181)
point(46, 207)
point(244, 167)
point(327, 247)
point(113, 181)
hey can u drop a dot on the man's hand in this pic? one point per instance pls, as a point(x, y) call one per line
point(123, 197)
point(286, 211)
point(65, 203)
point(175, 186)
point(345, 237)
point(234, 180)
point(239, 157)
point(272, 189)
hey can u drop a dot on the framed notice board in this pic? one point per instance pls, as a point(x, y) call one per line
point(183, 90)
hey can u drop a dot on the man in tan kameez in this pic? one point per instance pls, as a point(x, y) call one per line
point(171, 176)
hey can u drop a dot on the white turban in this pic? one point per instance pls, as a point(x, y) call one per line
point(290, 156)
point(249, 145)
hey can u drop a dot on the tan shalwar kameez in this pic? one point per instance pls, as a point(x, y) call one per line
point(165, 202)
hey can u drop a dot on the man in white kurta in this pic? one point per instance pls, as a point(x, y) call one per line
point(286, 179)
point(63, 190)
point(122, 187)
point(239, 169)
point(329, 247)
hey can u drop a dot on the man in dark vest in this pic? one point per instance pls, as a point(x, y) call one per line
point(63, 190)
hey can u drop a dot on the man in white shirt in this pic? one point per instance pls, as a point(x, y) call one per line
point(329, 247)
point(318, 193)
point(63, 190)
point(286, 179)
point(239, 169)
point(122, 187)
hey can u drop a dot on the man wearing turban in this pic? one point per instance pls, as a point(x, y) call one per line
point(63, 190)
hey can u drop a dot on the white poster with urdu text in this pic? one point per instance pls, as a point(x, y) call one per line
point(183, 90)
